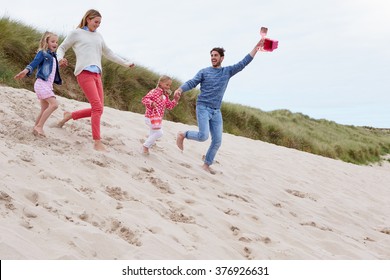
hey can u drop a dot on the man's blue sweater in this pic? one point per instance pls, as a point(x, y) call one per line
point(213, 82)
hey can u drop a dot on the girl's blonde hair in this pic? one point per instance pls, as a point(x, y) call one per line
point(90, 14)
point(44, 43)
point(162, 79)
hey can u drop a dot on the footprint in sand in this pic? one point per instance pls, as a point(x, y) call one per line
point(117, 193)
point(178, 217)
point(385, 231)
point(255, 218)
point(26, 224)
point(115, 143)
point(29, 213)
point(113, 226)
point(32, 197)
point(231, 212)
point(248, 239)
point(248, 253)
point(300, 194)
point(26, 157)
point(147, 170)
point(186, 165)
point(313, 224)
point(155, 230)
point(125, 233)
point(84, 216)
point(189, 201)
point(86, 190)
point(279, 205)
point(235, 230)
point(236, 196)
point(4, 197)
point(162, 186)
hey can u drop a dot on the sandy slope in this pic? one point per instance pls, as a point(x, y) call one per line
point(59, 199)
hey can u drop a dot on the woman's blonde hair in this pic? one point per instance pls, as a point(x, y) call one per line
point(90, 14)
point(44, 43)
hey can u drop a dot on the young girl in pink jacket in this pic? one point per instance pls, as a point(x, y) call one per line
point(156, 101)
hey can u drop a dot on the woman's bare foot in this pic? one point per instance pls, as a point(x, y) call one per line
point(38, 131)
point(207, 168)
point(179, 140)
point(98, 146)
point(67, 117)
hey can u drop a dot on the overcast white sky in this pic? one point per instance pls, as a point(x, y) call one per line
point(333, 60)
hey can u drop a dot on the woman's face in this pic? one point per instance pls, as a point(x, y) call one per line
point(93, 23)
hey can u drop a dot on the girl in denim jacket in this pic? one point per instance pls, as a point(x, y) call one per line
point(47, 74)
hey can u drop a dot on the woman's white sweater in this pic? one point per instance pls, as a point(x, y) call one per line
point(89, 48)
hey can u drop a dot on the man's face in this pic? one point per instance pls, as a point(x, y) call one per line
point(216, 59)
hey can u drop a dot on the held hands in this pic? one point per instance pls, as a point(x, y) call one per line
point(178, 93)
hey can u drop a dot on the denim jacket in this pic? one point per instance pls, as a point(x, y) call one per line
point(44, 62)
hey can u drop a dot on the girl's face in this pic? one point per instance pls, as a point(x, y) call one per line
point(52, 43)
point(166, 85)
point(93, 23)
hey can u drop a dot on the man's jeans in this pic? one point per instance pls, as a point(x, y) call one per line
point(209, 121)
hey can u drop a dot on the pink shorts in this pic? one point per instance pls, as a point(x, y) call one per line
point(43, 89)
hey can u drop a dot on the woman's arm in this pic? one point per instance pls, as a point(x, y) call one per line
point(110, 55)
point(65, 45)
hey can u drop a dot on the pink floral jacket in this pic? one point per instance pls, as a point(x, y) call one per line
point(162, 100)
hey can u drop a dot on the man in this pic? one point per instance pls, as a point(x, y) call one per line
point(213, 82)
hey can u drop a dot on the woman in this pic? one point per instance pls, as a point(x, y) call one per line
point(89, 47)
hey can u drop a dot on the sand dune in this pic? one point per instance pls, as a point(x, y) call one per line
point(60, 199)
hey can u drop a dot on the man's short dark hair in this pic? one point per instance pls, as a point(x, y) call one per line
point(221, 51)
